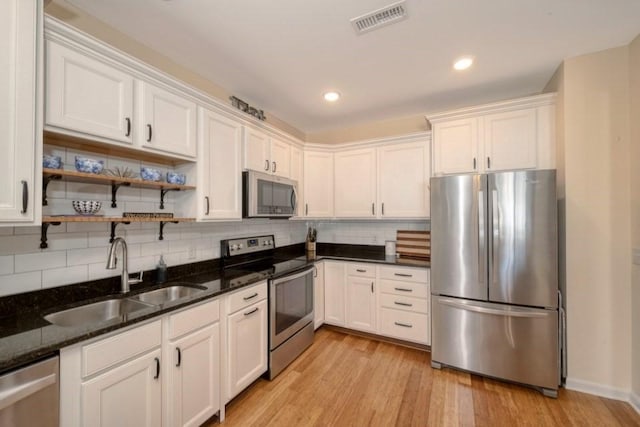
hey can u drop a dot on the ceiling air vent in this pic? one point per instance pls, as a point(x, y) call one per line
point(378, 18)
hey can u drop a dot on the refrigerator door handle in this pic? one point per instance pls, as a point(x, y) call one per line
point(481, 236)
point(508, 312)
point(495, 231)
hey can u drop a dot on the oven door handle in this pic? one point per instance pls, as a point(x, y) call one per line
point(292, 276)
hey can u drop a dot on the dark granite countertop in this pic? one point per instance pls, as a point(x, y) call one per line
point(25, 336)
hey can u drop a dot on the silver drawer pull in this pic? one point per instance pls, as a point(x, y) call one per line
point(403, 275)
point(248, 313)
point(403, 304)
point(359, 270)
point(250, 297)
point(403, 289)
point(404, 325)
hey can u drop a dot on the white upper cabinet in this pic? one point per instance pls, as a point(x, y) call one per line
point(87, 95)
point(167, 121)
point(266, 154)
point(510, 135)
point(20, 124)
point(403, 180)
point(355, 183)
point(219, 167)
point(318, 184)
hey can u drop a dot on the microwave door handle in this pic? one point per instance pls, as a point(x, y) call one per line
point(294, 199)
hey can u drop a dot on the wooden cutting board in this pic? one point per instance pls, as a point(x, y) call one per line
point(413, 244)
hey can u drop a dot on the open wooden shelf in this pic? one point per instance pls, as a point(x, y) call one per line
point(118, 219)
point(74, 176)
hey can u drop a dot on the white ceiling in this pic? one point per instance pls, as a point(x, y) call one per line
point(282, 55)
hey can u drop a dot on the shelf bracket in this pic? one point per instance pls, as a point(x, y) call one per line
point(163, 192)
point(162, 224)
point(45, 183)
point(113, 229)
point(43, 233)
point(114, 189)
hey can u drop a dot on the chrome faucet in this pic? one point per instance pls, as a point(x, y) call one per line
point(112, 261)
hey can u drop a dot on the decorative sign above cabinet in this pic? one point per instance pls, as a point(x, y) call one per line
point(243, 106)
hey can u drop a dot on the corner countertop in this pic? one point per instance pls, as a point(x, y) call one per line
point(26, 337)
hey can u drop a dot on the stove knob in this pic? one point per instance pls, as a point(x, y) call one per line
point(234, 247)
point(270, 242)
point(240, 246)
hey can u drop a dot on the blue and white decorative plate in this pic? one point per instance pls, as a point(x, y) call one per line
point(86, 165)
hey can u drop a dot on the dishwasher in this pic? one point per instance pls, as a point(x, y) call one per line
point(29, 396)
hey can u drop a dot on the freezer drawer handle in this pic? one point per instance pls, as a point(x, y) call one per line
point(404, 304)
point(486, 310)
point(404, 325)
point(403, 289)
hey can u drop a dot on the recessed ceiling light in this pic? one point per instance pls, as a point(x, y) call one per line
point(463, 63)
point(331, 96)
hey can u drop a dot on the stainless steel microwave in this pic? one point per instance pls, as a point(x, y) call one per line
point(268, 196)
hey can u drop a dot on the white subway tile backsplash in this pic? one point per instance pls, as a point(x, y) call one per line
point(19, 283)
point(98, 270)
point(64, 276)
point(6, 264)
point(11, 245)
point(67, 241)
point(87, 256)
point(6, 231)
point(40, 261)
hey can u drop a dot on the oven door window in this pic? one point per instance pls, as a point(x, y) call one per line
point(293, 302)
point(265, 196)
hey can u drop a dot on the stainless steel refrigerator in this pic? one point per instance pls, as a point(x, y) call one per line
point(494, 276)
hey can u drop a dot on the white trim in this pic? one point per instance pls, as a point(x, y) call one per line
point(597, 389)
point(634, 401)
point(371, 143)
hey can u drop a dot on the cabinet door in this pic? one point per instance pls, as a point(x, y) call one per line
point(456, 147)
point(128, 395)
point(318, 184)
point(510, 140)
point(256, 150)
point(403, 180)
point(88, 96)
point(195, 385)
point(20, 135)
point(247, 347)
point(280, 158)
point(318, 295)
point(355, 183)
point(220, 174)
point(361, 306)
point(334, 293)
point(297, 172)
point(167, 121)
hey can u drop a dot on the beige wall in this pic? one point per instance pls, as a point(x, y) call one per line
point(634, 73)
point(77, 18)
point(598, 218)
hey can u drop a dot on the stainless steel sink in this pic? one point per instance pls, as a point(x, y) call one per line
point(96, 313)
point(168, 294)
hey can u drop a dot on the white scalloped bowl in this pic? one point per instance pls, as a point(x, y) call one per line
point(86, 207)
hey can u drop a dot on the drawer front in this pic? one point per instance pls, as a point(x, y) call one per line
point(409, 289)
point(401, 302)
point(193, 318)
point(246, 297)
point(116, 349)
point(419, 275)
point(362, 270)
point(405, 325)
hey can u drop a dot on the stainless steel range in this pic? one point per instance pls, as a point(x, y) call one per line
point(290, 294)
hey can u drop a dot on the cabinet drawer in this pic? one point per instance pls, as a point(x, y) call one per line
point(362, 270)
point(404, 325)
point(193, 318)
point(402, 302)
point(116, 349)
point(420, 275)
point(246, 297)
point(410, 289)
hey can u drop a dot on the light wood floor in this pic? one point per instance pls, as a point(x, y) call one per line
point(345, 380)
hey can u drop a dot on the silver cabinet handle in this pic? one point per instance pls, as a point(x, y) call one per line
point(266, 165)
point(25, 197)
point(306, 208)
point(373, 209)
point(206, 198)
point(474, 163)
point(488, 162)
point(294, 200)
point(274, 166)
point(404, 304)
point(179, 357)
point(128, 126)
point(403, 289)
point(249, 313)
point(359, 270)
point(382, 208)
point(371, 287)
point(404, 325)
point(250, 297)
point(403, 274)
point(157, 368)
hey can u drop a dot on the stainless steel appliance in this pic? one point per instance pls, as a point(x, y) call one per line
point(268, 196)
point(494, 276)
point(290, 294)
point(30, 396)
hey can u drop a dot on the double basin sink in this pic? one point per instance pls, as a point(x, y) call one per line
point(103, 311)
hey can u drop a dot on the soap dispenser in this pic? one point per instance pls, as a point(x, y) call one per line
point(161, 271)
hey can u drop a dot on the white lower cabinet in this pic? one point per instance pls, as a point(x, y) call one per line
point(247, 338)
point(318, 295)
point(334, 293)
point(166, 372)
point(361, 297)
